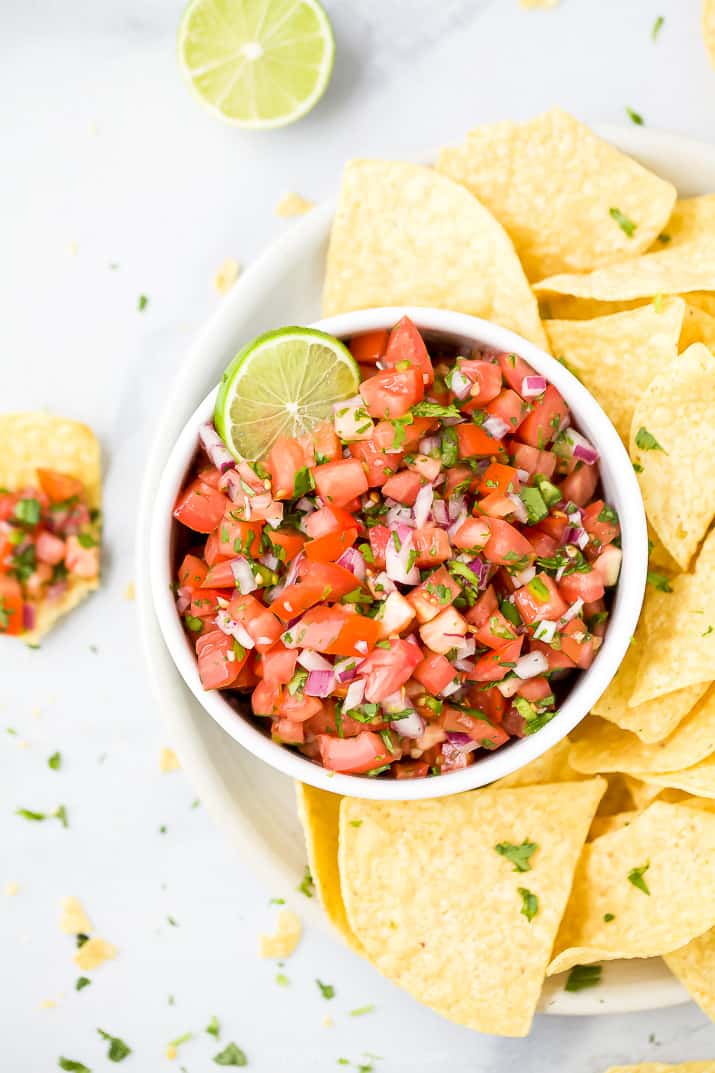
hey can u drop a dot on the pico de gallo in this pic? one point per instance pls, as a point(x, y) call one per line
point(415, 581)
point(48, 537)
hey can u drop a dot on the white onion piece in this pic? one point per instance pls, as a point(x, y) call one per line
point(396, 562)
point(571, 612)
point(582, 538)
point(608, 564)
point(313, 661)
point(423, 505)
point(496, 428)
point(531, 665)
point(458, 523)
point(458, 383)
point(455, 506)
point(523, 475)
point(184, 595)
point(524, 576)
point(270, 560)
point(573, 445)
point(399, 515)
point(354, 695)
point(450, 688)
point(520, 512)
point(216, 449)
point(545, 631)
point(274, 514)
point(346, 669)
point(440, 513)
point(412, 726)
point(428, 444)
point(243, 575)
point(574, 517)
point(463, 664)
point(508, 686)
point(381, 586)
point(467, 649)
point(234, 629)
point(351, 420)
point(291, 575)
point(353, 560)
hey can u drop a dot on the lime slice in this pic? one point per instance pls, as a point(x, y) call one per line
point(257, 63)
point(282, 384)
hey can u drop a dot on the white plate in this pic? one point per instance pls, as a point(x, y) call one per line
point(247, 799)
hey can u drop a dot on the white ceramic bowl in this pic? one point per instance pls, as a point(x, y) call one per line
point(621, 490)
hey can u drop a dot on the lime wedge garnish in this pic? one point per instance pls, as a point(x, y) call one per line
point(257, 63)
point(284, 383)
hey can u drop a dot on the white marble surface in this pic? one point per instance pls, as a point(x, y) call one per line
point(105, 153)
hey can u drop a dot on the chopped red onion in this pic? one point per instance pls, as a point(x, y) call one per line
point(571, 612)
point(313, 661)
point(411, 726)
point(291, 575)
point(243, 575)
point(531, 386)
point(574, 516)
point(581, 538)
point(496, 428)
point(440, 513)
point(28, 616)
point(396, 562)
point(353, 560)
point(467, 648)
point(215, 448)
point(458, 522)
point(455, 506)
point(450, 421)
point(346, 669)
point(428, 444)
point(381, 586)
point(577, 446)
point(306, 505)
point(271, 560)
point(354, 695)
point(456, 737)
point(399, 515)
point(520, 512)
point(423, 505)
point(531, 665)
point(463, 664)
point(183, 598)
point(482, 570)
point(452, 751)
point(458, 383)
point(319, 684)
point(230, 483)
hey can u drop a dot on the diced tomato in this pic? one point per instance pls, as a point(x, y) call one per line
point(390, 394)
point(542, 545)
point(407, 345)
point(192, 572)
point(486, 379)
point(318, 628)
point(444, 632)
point(11, 606)
point(354, 756)
point(266, 698)
point(210, 475)
point(600, 522)
point(212, 555)
point(59, 487)
point(335, 581)
point(258, 620)
point(329, 548)
point(532, 459)
point(514, 369)
point(435, 672)
point(221, 575)
point(543, 423)
point(247, 677)
point(486, 605)
point(556, 658)
point(358, 636)
point(206, 601)
point(535, 689)
point(324, 723)
point(495, 505)
point(321, 445)
point(287, 732)
point(454, 720)
point(295, 599)
point(49, 548)
point(488, 701)
point(431, 545)
point(370, 346)
point(218, 660)
point(378, 466)
point(473, 440)
point(298, 706)
point(499, 478)
point(495, 631)
point(386, 669)
point(290, 540)
point(387, 436)
point(84, 562)
point(473, 534)
point(459, 477)
point(429, 468)
point(284, 462)
point(587, 586)
point(506, 545)
point(509, 408)
point(435, 593)
point(493, 666)
point(539, 599)
point(578, 643)
point(379, 536)
point(278, 663)
point(329, 519)
point(580, 484)
point(200, 507)
point(339, 482)
point(403, 486)
point(239, 538)
point(410, 769)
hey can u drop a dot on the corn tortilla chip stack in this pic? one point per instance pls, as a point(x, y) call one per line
point(605, 825)
point(694, 965)
point(654, 878)
point(487, 929)
point(404, 235)
point(319, 815)
point(675, 471)
point(618, 356)
point(698, 327)
point(601, 746)
point(551, 766)
point(698, 779)
point(32, 440)
point(679, 646)
point(552, 182)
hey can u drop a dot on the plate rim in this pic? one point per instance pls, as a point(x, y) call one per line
point(641, 143)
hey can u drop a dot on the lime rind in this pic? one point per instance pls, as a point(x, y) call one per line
point(217, 54)
point(284, 383)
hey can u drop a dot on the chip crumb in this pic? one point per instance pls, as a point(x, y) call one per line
point(37, 712)
point(168, 761)
point(129, 592)
point(294, 204)
point(94, 953)
point(532, 5)
point(48, 1004)
point(286, 938)
point(22, 743)
point(73, 919)
point(327, 1021)
point(11, 889)
point(171, 1052)
point(73, 248)
point(227, 275)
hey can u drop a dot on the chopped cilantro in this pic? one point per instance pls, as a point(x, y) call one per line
point(71, 1066)
point(707, 632)
point(659, 581)
point(608, 514)
point(231, 1055)
point(81, 939)
point(510, 612)
point(646, 440)
point(174, 923)
point(434, 409)
point(28, 814)
point(118, 1049)
point(82, 982)
point(142, 302)
point(636, 876)
point(399, 425)
point(306, 885)
point(356, 823)
point(277, 901)
point(637, 467)
point(362, 1010)
point(282, 980)
point(55, 762)
point(519, 855)
point(27, 511)
point(529, 904)
point(86, 540)
point(635, 117)
point(583, 976)
point(193, 623)
point(627, 226)
point(303, 483)
point(181, 1039)
point(608, 917)
point(60, 814)
point(326, 990)
point(536, 508)
point(449, 447)
point(657, 27)
point(297, 681)
point(213, 1027)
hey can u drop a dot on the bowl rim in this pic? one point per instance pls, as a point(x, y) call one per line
point(616, 470)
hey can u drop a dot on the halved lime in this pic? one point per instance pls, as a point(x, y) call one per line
point(257, 63)
point(282, 384)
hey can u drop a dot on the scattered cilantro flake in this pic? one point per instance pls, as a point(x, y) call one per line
point(303, 483)
point(664, 238)
point(326, 990)
point(519, 855)
point(71, 1066)
point(635, 117)
point(162, 829)
point(86, 540)
point(142, 302)
point(608, 917)
point(174, 923)
point(55, 762)
point(583, 976)
point(28, 511)
point(529, 904)
point(434, 409)
point(646, 440)
point(93, 649)
point(707, 632)
point(306, 885)
point(60, 814)
point(657, 27)
point(362, 1010)
point(277, 901)
point(659, 581)
point(231, 1055)
point(82, 982)
point(358, 823)
point(118, 1049)
point(213, 1027)
point(28, 814)
point(636, 876)
point(81, 939)
point(627, 226)
point(195, 803)
point(282, 980)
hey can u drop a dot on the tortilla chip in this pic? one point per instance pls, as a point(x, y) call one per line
point(683, 263)
point(617, 797)
point(704, 300)
point(641, 793)
point(653, 720)
point(677, 409)
point(618, 356)
point(660, 1067)
point(564, 307)
point(403, 234)
point(694, 965)
point(32, 440)
point(659, 556)
point(672, 850)
point(436, 906)
point(679, 646)
point(698, 780)
point(605, 747)
point(551, 182)
point(551, 766)
point(605, 825)
point(698, 327)
point(319, 814)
